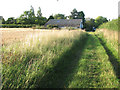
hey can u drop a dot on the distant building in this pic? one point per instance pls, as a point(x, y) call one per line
point(77, 23)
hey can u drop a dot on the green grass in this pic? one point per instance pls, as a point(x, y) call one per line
point(111, 44)
point(94, 69)
point(71, 59)
point(28, 65)
point(111, 48)
point(111, 25)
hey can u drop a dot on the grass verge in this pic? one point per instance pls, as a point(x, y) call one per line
point(94, 69)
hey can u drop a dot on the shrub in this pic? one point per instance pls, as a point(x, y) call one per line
point(52, 26)
point(49, 26)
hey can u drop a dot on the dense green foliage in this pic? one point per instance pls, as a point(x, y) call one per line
point(100, 20)
point(52, 26)
point(28, 17)
point(111, 25)
point(90, 22)
point(77, 15)
point(59, 16)
point(50, 17)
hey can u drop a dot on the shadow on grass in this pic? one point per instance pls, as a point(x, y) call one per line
point(112, 59)
point(61, 74)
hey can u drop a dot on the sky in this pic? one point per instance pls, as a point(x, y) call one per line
point(91, 8)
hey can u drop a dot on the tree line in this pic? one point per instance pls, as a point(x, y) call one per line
point(29, 18)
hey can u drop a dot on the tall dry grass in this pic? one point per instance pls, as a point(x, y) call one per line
point(26, 62)
point(111, 39)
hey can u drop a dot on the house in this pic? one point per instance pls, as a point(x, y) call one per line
point(77, 23)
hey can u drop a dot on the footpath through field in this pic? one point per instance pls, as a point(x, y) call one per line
point(94, 68)
point(85, 64)
point(88, 68)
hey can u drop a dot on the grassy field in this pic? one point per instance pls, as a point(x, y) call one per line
point(57, 59)
point(94, 69)
point(108, 34)
point(110, 38)
point(27, 62)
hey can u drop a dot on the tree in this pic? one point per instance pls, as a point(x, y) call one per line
point(59, 16)
point(74, 14)
point(78, 15)
point(24, 18)
point(100, 20)
point(10, 20)
point(50, 17)
point(26, 14)
point(81, 15)
point(40, 20)
point(3, 21)
point(39, 14)
point(31, 14)
point(89, 24)
point(28, 17)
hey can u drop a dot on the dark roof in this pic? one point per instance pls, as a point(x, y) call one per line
point(64, 22)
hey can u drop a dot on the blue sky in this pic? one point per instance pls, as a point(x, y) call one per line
point(91, 8)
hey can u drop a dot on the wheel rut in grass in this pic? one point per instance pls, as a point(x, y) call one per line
point(88, 71)
point(112, 58)
point(94, 69)
point(87, 66)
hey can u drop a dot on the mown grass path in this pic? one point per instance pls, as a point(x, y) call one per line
point(112, 58)
point(86, 63)
point(94, 69)
point(87, 67)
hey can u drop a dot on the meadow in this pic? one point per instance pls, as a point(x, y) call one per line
point(109, 33)
point(55, 59)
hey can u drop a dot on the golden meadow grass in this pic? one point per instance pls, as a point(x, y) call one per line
point(25, 61)
point(54, 58)
point(111, 36)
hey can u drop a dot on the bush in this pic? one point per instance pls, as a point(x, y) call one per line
point(52, 26)
point(49, 26)
point(89, 26)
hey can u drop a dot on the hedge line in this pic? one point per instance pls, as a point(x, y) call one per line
point(15, 26)
point(112, 25)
